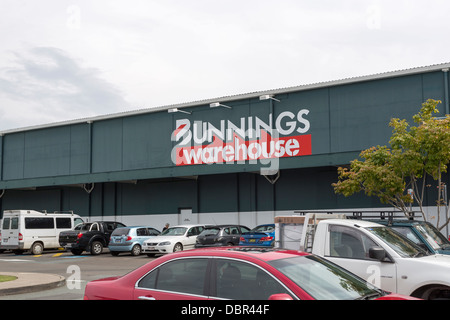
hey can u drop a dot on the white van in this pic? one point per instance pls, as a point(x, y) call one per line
point(33, 230)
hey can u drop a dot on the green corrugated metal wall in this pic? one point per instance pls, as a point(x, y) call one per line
point(344, 120)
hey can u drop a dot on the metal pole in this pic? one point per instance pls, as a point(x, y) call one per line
point(447, 102)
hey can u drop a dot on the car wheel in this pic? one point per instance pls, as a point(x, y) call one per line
point(37, 248)
point(136, 250)
point(178, 247)
point(96, 248)
point(436, 293)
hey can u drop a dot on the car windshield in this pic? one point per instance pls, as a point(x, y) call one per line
point(324, 280)
point(264, 228)
point(400, 244)
point(175, 231)
point(210, 232)
point(432, 236)
point(120, 232)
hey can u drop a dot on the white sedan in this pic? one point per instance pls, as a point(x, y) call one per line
point(173, 239)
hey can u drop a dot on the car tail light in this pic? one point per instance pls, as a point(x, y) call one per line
point(20, 236)
point(129, 238)
point(79, 235)
point(265, 239)
point(242, 239)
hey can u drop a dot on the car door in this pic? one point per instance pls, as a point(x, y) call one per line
point(178, 279)
point(241, 280)
point(234, 234)
point(108, 228)
point(349, 248)
point(191, 237)
point(5, 231)
point(141, 235)
point(10, 232)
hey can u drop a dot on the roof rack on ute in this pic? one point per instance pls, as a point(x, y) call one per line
point(361, 214)
point(304, 212)
point(389, 215)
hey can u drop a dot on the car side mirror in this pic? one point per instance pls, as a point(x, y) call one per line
point(280, 296)
point(377, 253)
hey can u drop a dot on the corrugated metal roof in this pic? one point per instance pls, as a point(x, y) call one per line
point(378, 76)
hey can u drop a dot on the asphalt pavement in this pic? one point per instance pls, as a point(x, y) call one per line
point(27, 282)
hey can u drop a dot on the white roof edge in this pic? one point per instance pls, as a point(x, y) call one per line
point(378, 76)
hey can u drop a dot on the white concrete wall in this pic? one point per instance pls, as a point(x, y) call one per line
point(249, 219)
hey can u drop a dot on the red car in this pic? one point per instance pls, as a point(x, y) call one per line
point(237, 273)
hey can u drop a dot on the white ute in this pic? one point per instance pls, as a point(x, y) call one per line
point(372, 251)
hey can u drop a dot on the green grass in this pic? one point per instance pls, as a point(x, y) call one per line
point(7, 278)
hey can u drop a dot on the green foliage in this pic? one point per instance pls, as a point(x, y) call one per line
point(377, 175)
point(415, 152)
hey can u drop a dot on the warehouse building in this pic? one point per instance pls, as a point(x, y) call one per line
point(237, 159)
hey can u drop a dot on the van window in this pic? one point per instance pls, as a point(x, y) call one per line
point(63, 223)
point(39, 223)
point(5, 224)
point(15, 223)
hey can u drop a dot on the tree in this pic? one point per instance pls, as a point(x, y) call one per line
point(398, 175)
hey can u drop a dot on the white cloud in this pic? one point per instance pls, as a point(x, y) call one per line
point(148, 53)
point(45, 83)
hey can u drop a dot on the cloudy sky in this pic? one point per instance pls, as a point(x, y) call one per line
point(64, 60)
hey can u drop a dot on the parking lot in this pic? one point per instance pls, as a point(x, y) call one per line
point(78, 270)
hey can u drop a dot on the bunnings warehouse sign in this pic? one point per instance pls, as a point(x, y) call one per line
point(252, 139)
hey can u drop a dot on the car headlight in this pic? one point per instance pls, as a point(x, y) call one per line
point(165, 243)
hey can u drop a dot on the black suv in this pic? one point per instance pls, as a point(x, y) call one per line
point(89, 236)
